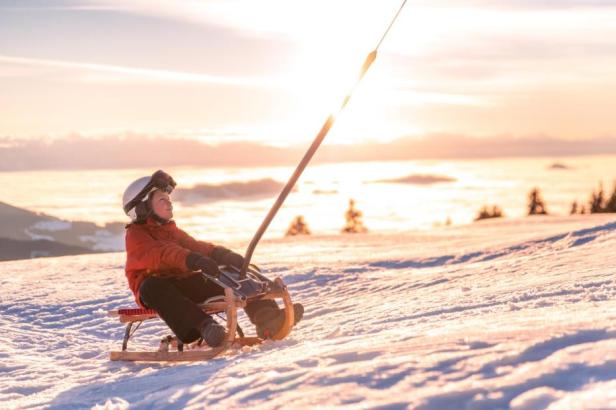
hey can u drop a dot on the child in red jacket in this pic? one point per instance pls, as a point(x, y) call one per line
point(164, 265)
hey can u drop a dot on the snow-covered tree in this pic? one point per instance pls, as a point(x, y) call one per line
point(536, 205)
point(486, 213)
point(610, 205)
point(597, 201)
point(353, 218)
point(298, 227)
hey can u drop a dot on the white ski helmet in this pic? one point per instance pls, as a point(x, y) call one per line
point(135, 198)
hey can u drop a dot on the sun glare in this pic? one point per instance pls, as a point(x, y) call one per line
point(322, 78)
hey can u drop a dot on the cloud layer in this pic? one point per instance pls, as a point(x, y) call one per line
point(472, 67)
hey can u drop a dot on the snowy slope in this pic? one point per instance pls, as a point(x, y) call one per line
point(511, 313)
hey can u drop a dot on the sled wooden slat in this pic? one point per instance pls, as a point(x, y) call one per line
point(247, 341)
point(209, 308)
point(238, 342)
point(231, 312)
point(188, 356)
point(136, 318)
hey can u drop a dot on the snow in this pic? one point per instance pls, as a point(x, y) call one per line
point(103, 240)
point(52, 225)
point(47, 225)
point(514, 314)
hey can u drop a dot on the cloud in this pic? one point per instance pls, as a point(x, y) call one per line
point(446, 64)
point(135, 151)
point(115, 73)
point(62, 5)
point(544, 4)
point(501, 53)
point(266, 18)
point(409, 96)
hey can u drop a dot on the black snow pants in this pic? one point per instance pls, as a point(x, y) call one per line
point(176, 302)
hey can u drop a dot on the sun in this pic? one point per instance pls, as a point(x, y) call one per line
point(321, 79)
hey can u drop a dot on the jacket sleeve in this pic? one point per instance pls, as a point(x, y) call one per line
point(145, 252)
point(188, 242)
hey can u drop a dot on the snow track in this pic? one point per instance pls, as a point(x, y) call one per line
point(517, 314)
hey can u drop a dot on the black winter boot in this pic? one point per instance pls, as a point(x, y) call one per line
point(269, 320)
point(212, 333)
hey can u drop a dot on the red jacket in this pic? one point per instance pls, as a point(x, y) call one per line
point(153, 249)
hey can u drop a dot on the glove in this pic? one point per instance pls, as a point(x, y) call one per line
point(225, 256)
point(235, 260)
point(195, 262)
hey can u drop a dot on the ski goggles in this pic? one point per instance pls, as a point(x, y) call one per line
point(159, 180)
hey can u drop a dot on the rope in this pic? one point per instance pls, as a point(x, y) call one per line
point(390, 26)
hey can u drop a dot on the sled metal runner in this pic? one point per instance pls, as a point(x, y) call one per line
point(172, 350)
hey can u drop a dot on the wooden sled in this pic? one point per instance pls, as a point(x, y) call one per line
point(173, 350)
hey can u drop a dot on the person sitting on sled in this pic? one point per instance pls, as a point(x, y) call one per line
point(164, 267)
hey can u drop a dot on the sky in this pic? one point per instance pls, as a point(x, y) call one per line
point(270, 71)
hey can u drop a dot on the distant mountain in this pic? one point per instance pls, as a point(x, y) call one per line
point(11, 249)
point(24, 232)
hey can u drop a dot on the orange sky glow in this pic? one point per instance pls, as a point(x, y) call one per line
point(271, 71)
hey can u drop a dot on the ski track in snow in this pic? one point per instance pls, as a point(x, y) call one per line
point(456, 321)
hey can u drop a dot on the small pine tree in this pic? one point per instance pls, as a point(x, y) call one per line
point(597, 201)
point(487, 213)
point(298, 227)
point(574, 208)
point(536, 206)
point(610, 206)
point(482, 214)
point(353, 217)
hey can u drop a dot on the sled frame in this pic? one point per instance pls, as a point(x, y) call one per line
point(198, 351)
